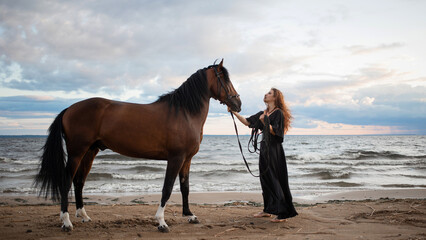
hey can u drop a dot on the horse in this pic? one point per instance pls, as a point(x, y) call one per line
point(170, 129)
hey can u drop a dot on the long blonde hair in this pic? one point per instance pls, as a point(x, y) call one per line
point(280, 103)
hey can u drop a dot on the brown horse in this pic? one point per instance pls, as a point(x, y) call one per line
point(169, 129)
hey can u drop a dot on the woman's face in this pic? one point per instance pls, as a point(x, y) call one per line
point(269, 97)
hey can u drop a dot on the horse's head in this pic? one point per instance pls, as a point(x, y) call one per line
point(221, 87)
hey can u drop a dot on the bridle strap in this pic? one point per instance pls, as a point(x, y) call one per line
point(241, 148)
point(221, 85)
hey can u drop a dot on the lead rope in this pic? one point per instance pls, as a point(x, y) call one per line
point(266, 137)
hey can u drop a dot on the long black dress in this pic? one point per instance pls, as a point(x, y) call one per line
point(276, 193)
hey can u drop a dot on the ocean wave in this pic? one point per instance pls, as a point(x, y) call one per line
point(116, 156)
point(327, 175)
point(364, 154)
point(120, 187)
point(22, 161)
point(306, 157)
point(225, 173)
point(162, 164)
point(316, 163)
point(151, 176)
point(144, 169)
point(99, 176)
point(131, 162)
point(7, 160)
point(19, 190)
point(123, 176)
point(414, 176)
point(17, 169)
point(403, 186)
point(395, 163)
point(314, 157)
point(365, 162)
point(343, 184)
point(221, 163)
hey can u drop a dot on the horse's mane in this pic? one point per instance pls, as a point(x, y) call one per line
point(191, 95)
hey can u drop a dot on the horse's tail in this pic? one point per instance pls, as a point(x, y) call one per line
point(53, 176)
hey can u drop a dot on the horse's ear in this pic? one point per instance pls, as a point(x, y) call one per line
point(221, 64)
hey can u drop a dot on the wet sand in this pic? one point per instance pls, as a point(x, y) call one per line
point(382, 214)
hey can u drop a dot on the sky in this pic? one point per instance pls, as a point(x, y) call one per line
point(350, 67)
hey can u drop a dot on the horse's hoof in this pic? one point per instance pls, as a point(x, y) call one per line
point(86, 220)
point(193, 220)
point(66, 228)
point(164, 229)
point(81, 212)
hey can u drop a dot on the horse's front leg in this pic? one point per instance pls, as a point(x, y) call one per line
point(184, 189)
point(173, 167)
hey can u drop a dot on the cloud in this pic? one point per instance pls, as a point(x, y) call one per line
point(81, 46)
point(336, 62)
point(24, 126)
point(26, 114)
point(32, 106)
point(359, 49)
point(324, 128)
point(397, 106)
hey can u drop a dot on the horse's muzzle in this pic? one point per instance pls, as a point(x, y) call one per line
point(235, 104)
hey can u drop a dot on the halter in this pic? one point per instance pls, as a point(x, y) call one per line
point(220, 85)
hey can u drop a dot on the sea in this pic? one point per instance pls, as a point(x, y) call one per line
point(316, 164)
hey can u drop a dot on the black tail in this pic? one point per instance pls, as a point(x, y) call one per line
point(53, 176)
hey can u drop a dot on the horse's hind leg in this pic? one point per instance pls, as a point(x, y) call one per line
point(64, 216)
point(79, 180)
point(72, 164)
point(74, 159)
point(184, 189)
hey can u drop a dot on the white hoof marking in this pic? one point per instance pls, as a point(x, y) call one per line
point(66, 223)
point(82, 213)
point(162, 227)
point(193, 219)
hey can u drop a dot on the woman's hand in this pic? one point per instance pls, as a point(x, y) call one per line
point(262, 119)
point(242, 119)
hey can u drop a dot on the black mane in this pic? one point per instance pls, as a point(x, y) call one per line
point(190, 96)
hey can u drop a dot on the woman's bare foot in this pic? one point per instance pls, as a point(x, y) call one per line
point(277, 220)
point(261, 214)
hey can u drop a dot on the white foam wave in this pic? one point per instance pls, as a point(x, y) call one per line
point(151, 176)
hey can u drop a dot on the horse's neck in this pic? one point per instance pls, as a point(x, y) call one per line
point(205, 110)
point(202, 116)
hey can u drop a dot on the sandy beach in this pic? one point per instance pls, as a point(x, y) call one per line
point(380, 214)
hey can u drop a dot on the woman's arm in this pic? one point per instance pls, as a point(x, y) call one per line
point(242, 119)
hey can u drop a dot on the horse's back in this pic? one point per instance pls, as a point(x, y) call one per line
point(127, 128)
point(81, 120)
point(137, 130)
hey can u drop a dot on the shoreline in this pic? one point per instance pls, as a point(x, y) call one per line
point(220, 197)
point(373, 214)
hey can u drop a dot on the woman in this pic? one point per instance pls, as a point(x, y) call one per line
point(277, 198)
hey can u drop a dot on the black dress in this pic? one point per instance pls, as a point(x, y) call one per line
point(277, 198)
